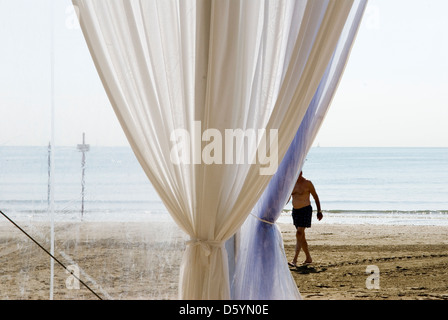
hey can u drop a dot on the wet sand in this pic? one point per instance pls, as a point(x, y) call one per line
point(411, 261)
point(141, 261)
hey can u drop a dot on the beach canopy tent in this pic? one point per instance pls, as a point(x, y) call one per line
point(260, 248)
point(182, 73)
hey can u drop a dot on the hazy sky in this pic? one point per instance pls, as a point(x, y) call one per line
point(394, 91)
point(395, 88)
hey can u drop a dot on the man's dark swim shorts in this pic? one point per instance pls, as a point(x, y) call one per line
point(302, 217)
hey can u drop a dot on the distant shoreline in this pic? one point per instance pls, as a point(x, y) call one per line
point(331, 217)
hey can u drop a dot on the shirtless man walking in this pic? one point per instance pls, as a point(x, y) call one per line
point(302, 213)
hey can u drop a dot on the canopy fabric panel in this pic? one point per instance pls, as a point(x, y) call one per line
point(187, 71)
point(260, 246)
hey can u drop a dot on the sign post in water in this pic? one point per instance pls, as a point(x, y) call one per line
point(83, 148)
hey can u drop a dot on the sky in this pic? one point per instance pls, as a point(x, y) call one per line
point(394, 92)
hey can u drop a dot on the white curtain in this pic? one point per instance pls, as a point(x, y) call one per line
point(261, 271)
point(195, 65)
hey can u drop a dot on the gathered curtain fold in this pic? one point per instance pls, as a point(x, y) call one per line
point(184, 73)
point(260, 246)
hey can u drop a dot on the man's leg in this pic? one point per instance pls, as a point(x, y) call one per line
point(305, 249)
point(299, 239)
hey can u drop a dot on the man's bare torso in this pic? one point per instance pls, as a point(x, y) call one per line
point(301, 193)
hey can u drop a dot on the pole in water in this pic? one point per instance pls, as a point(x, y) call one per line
point(83, 148)
point(51, 189)
point(49, 174)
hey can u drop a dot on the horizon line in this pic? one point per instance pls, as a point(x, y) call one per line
point(313, 147)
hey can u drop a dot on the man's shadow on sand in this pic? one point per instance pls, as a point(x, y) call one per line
point(307, 269)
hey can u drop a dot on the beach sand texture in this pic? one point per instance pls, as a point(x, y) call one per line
point(140, 260)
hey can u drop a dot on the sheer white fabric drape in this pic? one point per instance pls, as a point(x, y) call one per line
point(261, 271)
point(196, 65)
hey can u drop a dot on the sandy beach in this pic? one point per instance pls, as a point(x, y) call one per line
point(133, 260)
point(118, 260)
point(412, 262)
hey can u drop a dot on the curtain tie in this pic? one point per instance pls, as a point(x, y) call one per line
point(206, 245)
point(262, 220)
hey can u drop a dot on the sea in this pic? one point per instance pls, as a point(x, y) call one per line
point(392, 186)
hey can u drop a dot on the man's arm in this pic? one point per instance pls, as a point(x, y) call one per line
point(316, 199)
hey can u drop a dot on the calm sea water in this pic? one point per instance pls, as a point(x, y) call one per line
point(381, 185)
point(355, 185)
